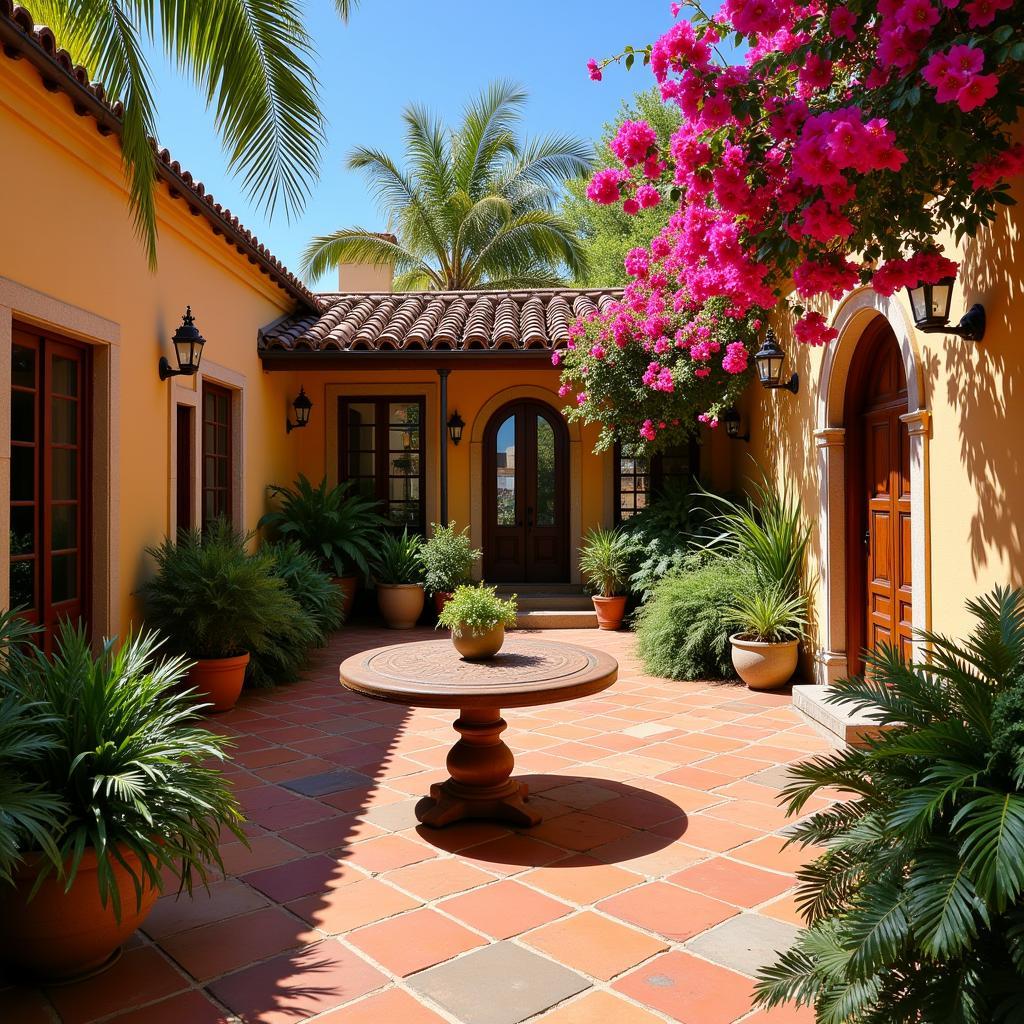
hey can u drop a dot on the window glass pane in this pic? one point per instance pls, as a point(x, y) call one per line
point(23, 584)
point(505, 460)
point(404, 439)
point(64, 412)
point(361, 414)
point(64, 482)
point(63, 577)
point(23, 416)
point(360, 464)
point(362, 439)
point(23, 474)
point(401, 413)
point(64, 520)
point(404, 465)
point(65, 376)
point(23, 367)
point(405, 488)
point(404, 514)
point(546, 483)
point(23, 530)
point(367, 487)
point(222, 473)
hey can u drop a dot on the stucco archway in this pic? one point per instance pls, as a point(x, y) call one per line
point(850, 320)
point(476, 468)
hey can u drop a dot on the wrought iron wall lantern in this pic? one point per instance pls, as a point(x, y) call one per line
point(188, 349)
point(731, 419)
point(930, 306)
point(455, 427)
point(770, 359)
point(302, 406)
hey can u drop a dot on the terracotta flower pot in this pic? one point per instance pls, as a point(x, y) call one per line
point(218, 681)
point(401, 604)
point(480, 647)
point(58, 935)
point(348, 585)
point(763, 666)
point(441, 598)
point(610, 610)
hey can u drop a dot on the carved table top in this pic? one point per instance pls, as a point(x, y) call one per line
point(525, 672)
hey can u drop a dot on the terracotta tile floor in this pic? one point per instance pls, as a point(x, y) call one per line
point(661, 829)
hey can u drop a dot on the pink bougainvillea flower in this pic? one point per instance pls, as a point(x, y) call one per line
point(631, 207)
point(983, 12)
point(841, 23)
point(605, 187)
point(812, 329)
point(977, 92)
point(917, 15)
point(647, 196)
point(633, 142)
point(594, 69)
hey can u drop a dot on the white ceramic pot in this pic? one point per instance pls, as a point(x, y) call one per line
point(763, 666)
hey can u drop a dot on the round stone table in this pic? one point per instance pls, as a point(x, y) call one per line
point(431, 674)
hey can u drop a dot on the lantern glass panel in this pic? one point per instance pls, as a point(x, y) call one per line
point(942, 294)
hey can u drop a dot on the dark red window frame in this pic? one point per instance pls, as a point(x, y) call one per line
point(218, 424)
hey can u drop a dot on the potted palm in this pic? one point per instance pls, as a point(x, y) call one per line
point(771, 621)
point(120, 795)
point(448, 559)
point(399, 577)
point(478, 618)
point(604, 564)
point(217, 603)
point(339, 528)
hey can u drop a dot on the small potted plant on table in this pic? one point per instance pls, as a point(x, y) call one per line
point(340, 529)
point(448, 559)
point(477, 618)
point(217, 603)
point(604, 564)
point(771, 621)
point(108, 790)
point(399, 578)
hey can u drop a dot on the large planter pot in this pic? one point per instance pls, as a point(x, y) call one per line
point(610, 611)
point(401, 604)
point(480, 647)
point(218, 681)
point(441, 598)
point(763, 666)
point(60, 936)
point(348, 585)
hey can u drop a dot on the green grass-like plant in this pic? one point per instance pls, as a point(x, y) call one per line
point(399, 560)
point(121, 763)
point(768, 615)
point(448, 558)
point(915, 908)
point(604, 560)
point(683, 629)
point(477, 610)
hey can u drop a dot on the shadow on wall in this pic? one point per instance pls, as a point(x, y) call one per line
point(985, 388)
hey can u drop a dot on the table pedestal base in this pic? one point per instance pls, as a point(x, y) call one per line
point(480, 787)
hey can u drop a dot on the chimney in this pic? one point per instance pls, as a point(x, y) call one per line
point(367, 277)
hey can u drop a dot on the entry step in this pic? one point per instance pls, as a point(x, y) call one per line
point(840, 723)
point(556, 619)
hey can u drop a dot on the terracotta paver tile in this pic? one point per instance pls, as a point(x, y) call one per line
point(688, 990)
point(599, 1008)
point(462, 835)
point(582, 795)
point(579, 830)
point(649, 854)
point(512, 853)
point(771, 852)
point(387, 852)
point(504, 909)
point(141, 976)
point(638, 810)
point(352, 906)
point(756, 814)
point(594, 945)
point(667, 910)
point(787, 1014)
point(382, 1008)
point(581, 879)
point(334, 833)
point(784, 909)
point(263, 852)
point(696, 777)
point(174, 913)
point(413, 941)
point(25, 1006)
point(191, 1007)
point(284, 773)
point(714, 833)
point(303, 877)
point(725, 879)
point(746, 943)
point(432, 879)
point(289, 988)
point(224, 946)
point(296, 811)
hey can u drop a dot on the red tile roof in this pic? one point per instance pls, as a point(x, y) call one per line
point(21, 38)
point(495, 321)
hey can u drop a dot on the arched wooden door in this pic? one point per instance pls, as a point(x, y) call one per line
point(879, 584)
point(526, 495)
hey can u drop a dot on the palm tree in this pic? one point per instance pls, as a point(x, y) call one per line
point(474, 209)
point(251, 58)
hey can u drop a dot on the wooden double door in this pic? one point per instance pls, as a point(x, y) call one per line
point(879, 581)
point(526, 495)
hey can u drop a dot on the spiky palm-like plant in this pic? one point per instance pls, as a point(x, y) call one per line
point(474, 208)
point(916, 908)
point(250, 58)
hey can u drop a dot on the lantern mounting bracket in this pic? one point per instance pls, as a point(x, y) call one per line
point(970, 328)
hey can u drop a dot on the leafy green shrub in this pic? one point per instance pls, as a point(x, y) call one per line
point(214, 599)
point(341, 530)
point(916, 908)
point(448, 558)
point(604, 560)
point(477, 610)
point(399, 559)
point(683, 629)
point(122, 754)
point(768, 615)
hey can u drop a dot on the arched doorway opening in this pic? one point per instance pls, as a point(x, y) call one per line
point(526, 495)
point(879, 535)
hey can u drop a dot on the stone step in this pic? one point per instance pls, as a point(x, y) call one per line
point(559, 619)
point(554, 603)
point(839, 723)
point(540, 588)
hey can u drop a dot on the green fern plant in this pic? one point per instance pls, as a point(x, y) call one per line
point(916, 908)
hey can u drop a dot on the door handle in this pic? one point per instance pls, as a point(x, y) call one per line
point(867, 538)
point(529, 518)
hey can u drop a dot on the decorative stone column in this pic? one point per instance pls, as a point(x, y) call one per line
point(830, 658)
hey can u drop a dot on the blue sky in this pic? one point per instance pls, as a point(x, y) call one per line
point(437, 52)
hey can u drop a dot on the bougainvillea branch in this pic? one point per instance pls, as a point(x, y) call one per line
point(850, 137)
